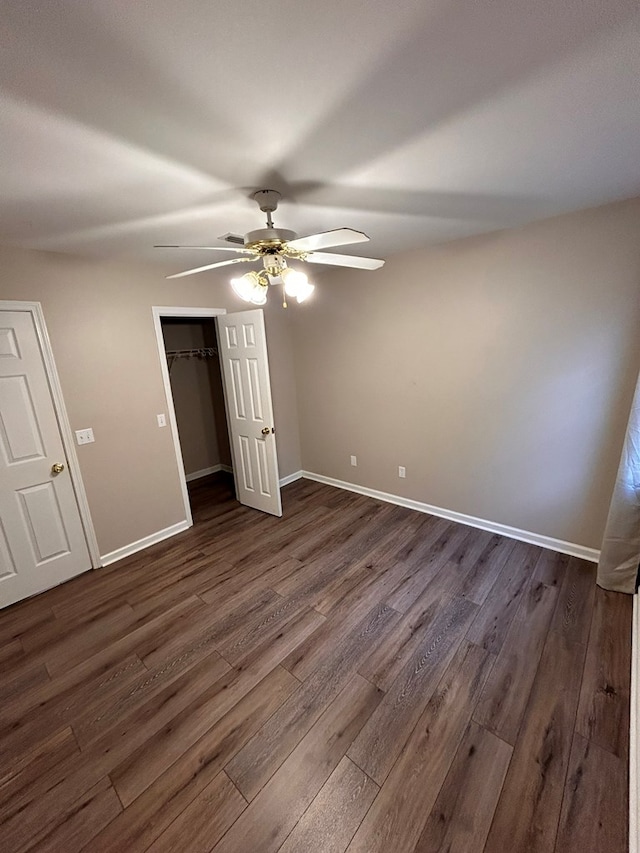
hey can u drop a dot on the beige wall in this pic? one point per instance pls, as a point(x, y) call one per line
point(198, 403)
point(100, 323)
point(499, 370)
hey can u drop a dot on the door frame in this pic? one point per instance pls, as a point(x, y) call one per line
point(53, 380)
point(160, 311)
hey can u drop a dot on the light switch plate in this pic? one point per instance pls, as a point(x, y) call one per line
point(402, 471)
point(354, 461)
point(162, 420)
point(84, 436)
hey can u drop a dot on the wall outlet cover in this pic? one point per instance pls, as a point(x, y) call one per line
point(84, 436)
point(354, 461)
point(402, 471)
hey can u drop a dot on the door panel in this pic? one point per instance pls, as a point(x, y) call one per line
point(7, 566)
point(42, 542)
point(245, 371)
point(43, 522)
point(238, 397)
point(8, 344)
point(19, 434)
point(254, 390)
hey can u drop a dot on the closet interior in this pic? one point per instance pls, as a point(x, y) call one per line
point(191, 348)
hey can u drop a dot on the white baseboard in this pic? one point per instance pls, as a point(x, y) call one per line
point(141, 544)
point(581, 551)
point(634, 745)
point(290, 478)
point(203, 472)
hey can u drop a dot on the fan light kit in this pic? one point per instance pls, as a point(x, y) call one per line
point(274, 247)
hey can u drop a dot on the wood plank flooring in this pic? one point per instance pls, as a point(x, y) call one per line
point(352, 677)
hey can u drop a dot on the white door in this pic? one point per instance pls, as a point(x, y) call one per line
point(42, 540)
point(245, 370)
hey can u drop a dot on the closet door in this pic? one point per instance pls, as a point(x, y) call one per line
point(245, 370)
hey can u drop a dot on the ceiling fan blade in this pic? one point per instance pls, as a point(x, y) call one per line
point(212, 266)
point(233, 238)
point(327, 239)
point(344, 260)
point(211, 248)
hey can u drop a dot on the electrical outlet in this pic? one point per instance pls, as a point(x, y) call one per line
point(162, 420)
point(84, 436)
point(354, 461)
point(402, 471)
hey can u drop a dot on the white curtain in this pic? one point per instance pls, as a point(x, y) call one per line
point(620, 553)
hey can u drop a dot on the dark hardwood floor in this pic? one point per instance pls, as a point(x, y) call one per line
point(354, 676)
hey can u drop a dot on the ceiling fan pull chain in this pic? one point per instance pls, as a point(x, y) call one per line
point(284, 296)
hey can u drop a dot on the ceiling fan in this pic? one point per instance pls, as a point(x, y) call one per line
point(274, 247)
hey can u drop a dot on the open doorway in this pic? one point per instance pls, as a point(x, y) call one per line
point(191, 348)
point(240, 367)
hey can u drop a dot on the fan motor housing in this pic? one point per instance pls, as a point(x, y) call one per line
point(268, 237)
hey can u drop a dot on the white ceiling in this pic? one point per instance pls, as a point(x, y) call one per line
point(124, 124)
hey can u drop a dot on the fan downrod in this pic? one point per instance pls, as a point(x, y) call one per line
point(267, 201)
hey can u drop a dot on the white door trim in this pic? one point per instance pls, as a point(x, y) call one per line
point(35, 309)
point(160, 311)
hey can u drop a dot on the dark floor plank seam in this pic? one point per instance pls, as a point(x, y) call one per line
point(117, 794)
point(575, 717)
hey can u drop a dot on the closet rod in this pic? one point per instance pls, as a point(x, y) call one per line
point(195, 352)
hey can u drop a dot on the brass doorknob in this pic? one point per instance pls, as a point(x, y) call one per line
point(266, 430)
point(57, 468)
